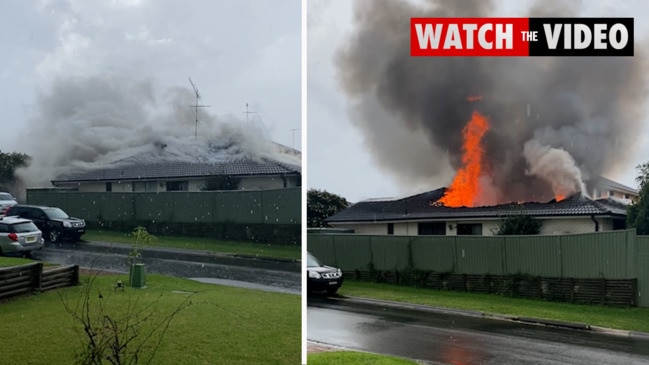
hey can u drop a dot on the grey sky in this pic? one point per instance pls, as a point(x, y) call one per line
point(339, 160)
point(236, 52)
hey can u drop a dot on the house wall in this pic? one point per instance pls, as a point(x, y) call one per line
point(571, 225)
point(369, 228)
point(405, 229)
point(89, 187)
point(489, 227)
point(195, 184)
point(259, 183)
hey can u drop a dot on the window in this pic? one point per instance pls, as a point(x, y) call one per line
point(177, 185)
point(390, 228)
point(33, 214)
point(469, 229)
point(611, 193)
point(109, 186)
point(431, 229)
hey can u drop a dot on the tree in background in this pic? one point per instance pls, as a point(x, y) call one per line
point(638, 213)
point(9, 163)
point(520, 224)
point(321, 205)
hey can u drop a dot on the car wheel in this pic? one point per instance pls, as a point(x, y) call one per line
point(54, 236)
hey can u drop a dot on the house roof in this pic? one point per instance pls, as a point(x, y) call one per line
point(180, 169)
point(609, 184)
point(424, 206)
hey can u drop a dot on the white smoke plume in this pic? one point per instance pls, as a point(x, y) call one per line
point(555, 166)
point(93, 121)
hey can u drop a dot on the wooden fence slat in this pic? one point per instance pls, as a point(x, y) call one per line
point(13, 293)
point(16, 280)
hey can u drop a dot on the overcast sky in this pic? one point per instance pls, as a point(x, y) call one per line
point(339, 160)
point(236, 52)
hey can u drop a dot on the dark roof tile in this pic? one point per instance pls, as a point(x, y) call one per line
point(177, 169)
point(423, 206)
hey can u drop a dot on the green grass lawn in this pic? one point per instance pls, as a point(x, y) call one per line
point(356, 358)
point(223, 325)
point(206, 244)
point(633, 319)
point(13, 261)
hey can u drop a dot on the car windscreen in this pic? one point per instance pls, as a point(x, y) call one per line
point(56, 213)
point(5, 196)
point(24, 227)
point(312, 261)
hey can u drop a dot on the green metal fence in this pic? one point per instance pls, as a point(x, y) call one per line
point(281, 206)
point(611, 255)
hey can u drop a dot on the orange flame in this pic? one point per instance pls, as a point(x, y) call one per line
point(465, 187)
point(559, 198)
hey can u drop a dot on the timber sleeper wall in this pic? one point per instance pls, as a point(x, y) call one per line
point(609, 292)
point(30, 278)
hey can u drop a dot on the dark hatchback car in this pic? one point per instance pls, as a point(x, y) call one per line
point(322, 278)
point(53, 222)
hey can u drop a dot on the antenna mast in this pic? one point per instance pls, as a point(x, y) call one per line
point(196, 106)
point(247, 113)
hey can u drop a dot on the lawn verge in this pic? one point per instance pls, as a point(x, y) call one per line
point(205, 244)
point(356, 358)
point(628, 319)
point(223, 324)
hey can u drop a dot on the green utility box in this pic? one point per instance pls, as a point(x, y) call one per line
point(137, 276)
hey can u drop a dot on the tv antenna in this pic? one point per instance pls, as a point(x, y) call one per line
point(196, 106)
point(247, 113)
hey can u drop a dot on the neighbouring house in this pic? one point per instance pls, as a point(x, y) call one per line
point(602, 187)
point(165, 172)
point(421, 215)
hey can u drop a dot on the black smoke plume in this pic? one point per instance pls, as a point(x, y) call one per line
point(411, 110)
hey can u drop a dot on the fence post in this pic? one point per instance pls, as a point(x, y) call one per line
point(75, 275)
point(487, 282)
point(602, 290)
point(37, 276)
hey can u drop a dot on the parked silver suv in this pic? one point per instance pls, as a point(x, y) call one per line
point(6, 201)
point(19, 236)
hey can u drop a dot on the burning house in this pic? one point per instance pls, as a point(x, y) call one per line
point(113, 134)
point(163, 168)
point(497, 131)
point(426, 214)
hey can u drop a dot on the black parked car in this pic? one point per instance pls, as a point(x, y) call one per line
point(53, 222)
point(322, 278)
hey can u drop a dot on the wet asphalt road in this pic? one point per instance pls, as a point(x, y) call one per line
point(212, 268)
point(447, 338)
